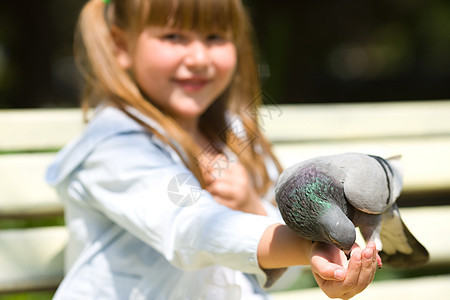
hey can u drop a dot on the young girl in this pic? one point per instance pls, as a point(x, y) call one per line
point(167, 192)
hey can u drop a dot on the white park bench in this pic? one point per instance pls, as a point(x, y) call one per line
point(31, 259)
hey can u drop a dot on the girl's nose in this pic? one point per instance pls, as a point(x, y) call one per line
point(197, 56)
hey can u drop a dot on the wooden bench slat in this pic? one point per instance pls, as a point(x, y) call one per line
point(429, 287)
point(363, 121)
point(23, 190)
point(31, 259)
point(426, 162)
point(52, 128)
point(38, 129)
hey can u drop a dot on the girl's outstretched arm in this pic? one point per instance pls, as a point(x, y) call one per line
point(338, 278)
point(280, 247)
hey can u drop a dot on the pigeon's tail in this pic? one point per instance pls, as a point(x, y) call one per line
point(400, 248)
point(416, 258)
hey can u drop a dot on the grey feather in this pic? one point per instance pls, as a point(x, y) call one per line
point(325, 198)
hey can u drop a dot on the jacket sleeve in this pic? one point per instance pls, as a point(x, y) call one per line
point(138, 185)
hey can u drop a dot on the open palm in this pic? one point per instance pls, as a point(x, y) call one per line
point(339, 277)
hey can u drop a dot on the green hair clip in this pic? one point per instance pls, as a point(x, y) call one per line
point(106, 1)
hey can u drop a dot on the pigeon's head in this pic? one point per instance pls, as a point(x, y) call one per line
point(337, 229)
point(314, 206)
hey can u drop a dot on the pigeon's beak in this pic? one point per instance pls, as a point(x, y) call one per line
point(348, 253)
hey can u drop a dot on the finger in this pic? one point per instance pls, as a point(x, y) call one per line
point(379, 261)
point(330, 262)
point(208, 177)
point(367, 271)
point(221, 189)
point(369, 266)
point(353, 270)
point(378, 258)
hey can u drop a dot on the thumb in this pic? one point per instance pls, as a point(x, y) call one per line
point(336, 273)
point(327, 270)
point(208, 177)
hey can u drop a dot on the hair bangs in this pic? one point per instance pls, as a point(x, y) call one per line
point(198, 15)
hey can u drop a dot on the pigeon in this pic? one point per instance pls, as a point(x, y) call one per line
point(325, 198)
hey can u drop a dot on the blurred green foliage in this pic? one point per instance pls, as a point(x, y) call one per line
point(31, 222)
point(317, 51)
point(329, 51)
point(44, 295)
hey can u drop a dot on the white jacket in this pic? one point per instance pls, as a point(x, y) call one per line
point(128, 237)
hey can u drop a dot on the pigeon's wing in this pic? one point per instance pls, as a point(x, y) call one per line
point(397, 174)
point(400, 247)
point(366, 183)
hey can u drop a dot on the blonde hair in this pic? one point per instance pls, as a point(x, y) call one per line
point(94, 50)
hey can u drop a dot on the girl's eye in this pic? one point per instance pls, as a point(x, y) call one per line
point(216, 38)
point(174, 37)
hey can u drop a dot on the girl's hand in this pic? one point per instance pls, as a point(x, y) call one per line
point(339, 278)
point(231, 186)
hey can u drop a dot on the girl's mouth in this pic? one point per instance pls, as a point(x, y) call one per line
point(192, 84)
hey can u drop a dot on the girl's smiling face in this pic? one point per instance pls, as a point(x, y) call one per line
point(181, 71)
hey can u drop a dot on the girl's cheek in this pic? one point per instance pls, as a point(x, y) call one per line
point(226, 59)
